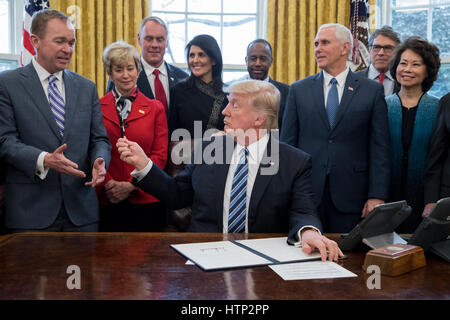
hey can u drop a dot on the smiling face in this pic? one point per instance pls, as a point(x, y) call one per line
point(258, 61)
point(55, 47)
point(153, 41)
point(411, 70)
point(124, 77)
point(200, 64)
point(331, 54)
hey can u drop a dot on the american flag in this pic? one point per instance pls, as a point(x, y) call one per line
point(359, 26)
point(31, 6)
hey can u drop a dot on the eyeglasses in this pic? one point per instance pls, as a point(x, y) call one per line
point(387, 49)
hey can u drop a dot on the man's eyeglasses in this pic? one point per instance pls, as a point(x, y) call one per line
point(387, 49)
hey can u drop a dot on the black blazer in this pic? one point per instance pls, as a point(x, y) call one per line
point(365, 73)
point(284, 91)
point(355, 152)
point(281, 202)
point(175, 76)
point(437, 176)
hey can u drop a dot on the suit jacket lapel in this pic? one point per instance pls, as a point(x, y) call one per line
point(350, 88)
point(170, 75)
point(33, 86)
point(144, 85)
point(72, 91)
point(317, 93)
point(270, 159)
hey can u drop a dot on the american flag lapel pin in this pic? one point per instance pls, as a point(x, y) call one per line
point(350, 88)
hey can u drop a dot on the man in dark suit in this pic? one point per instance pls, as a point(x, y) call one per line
point(382, 43)
point(341, 120)
point(52, 134)
point(437, 177)
point(259, 59)
point(153, 39)
point(244, 181)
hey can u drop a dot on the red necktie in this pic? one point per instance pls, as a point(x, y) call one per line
point(381, 77)
point(160, 94)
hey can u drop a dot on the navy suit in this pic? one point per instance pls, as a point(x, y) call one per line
point(284, 91)
point(175, 76)
point(280, 202)
point(28, 127)
point(354, 154)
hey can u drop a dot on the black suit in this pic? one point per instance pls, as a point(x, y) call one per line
point(284, 91)
point(437, 177)
point(350, 160)
point(280, 202)
point(365, 73)
point(175, 76)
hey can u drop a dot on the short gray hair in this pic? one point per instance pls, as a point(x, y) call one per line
point(265, 98)
point(154, 19)
point(343, 34)
point(385, 31)
point(118, 53)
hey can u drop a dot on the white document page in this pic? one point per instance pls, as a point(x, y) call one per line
point(278, 249)
point(219, 255)
point(311, 270)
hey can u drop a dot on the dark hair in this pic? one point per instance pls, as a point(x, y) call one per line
point(210, 46)
point(429, 53)
point(385, 31)
point(41, 18)
point(260, 41)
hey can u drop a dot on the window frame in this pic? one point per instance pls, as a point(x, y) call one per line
point(261, 22)
point(15, 36)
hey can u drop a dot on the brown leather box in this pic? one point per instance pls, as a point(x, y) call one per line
point(396, 259)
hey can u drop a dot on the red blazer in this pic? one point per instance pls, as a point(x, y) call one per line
point(147, 125)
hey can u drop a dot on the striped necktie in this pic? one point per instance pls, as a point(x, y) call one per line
point(238, 198)
point(56, 103)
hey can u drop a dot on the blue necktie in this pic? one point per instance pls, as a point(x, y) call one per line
point(332, 102)
point(56, 103)
point(238, 198)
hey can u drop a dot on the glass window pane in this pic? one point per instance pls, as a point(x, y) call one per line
point(238, 31)
point(442, 85)
point(6, 64)
point(441, 22)
point(4, 26)
point(232, 75)
point(404, 3)
point(176, 26)
point(410, 22)
point(239, 6)
point(168, 5)
point(204, 24)
point(208, 6)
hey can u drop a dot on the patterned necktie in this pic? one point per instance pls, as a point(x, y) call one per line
point(56, 103)
point(381, 77)
point(238, 198)
point(332, 102)
point(160, 94)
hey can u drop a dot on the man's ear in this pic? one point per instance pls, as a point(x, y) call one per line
point(34, 39)
point(260, 120)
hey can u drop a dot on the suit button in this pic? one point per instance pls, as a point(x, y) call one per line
point(330, 141)
point(126, 125)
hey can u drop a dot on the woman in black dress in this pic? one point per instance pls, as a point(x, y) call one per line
point(198, 101)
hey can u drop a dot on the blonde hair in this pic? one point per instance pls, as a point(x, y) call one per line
point(119, 53)
point(265, 98)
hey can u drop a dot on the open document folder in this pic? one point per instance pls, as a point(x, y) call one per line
point(242, 253)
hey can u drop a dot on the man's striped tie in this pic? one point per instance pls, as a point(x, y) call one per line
point(238, 198)
point(56, 102)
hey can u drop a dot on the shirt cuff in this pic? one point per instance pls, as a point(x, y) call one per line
point(41, 171)
point(140, 174)
point(299, 232)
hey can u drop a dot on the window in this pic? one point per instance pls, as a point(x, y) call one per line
point(429, 19)
point(11, 35)
point(233, 23)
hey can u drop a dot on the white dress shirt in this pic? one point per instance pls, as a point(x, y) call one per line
point(388, 82)
point(163, 77)
point(340, 78)
point(43, 75)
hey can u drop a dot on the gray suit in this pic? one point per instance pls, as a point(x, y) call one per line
point(28, 127)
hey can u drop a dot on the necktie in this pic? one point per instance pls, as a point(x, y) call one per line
point(332, 102)
point(238, 198)
point(160, 94)
point(56, 103)
point(381, 77)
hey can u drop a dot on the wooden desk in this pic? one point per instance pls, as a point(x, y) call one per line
point(143, 266)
